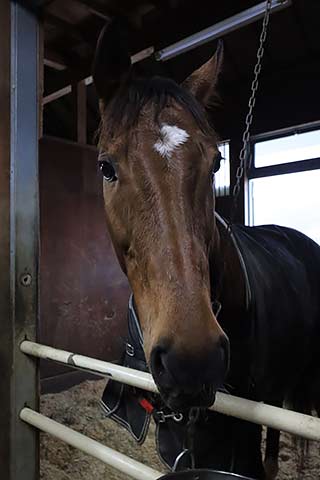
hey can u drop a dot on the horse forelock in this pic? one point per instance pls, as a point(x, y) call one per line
point(124, 110)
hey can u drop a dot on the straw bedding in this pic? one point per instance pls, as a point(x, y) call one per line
point(78, 408)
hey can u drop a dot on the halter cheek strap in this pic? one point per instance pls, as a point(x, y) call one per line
point(124, 404)
point(134, 345)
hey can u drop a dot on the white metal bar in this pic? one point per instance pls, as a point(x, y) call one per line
point(219, 29)
point(115, 372)
point(285, 420)
point(281, 419)
point(87, 445)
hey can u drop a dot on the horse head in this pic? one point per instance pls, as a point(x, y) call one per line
point(157, 156)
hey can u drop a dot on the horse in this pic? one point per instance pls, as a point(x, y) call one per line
point(158, 156)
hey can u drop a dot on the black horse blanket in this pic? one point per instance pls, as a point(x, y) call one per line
point(282, 270)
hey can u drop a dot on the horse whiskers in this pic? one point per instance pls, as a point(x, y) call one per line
point(229, 386)
point(206, 389)
point(223, 390)
point(207, 393)
point(226, 388)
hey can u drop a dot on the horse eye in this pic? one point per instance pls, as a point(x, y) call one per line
point(108, 171)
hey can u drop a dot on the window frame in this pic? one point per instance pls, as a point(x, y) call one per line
point(225, 191)
point(279, 169)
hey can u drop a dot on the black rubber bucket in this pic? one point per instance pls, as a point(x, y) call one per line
point(202, 474)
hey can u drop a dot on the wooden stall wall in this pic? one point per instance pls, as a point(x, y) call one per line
point(83, 292)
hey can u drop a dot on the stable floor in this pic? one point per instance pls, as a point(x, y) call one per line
point(79, 409)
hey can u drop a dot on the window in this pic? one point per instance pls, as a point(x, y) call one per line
point(291, 200)
point(222, 177)
point(283, 184)
point(293, 148)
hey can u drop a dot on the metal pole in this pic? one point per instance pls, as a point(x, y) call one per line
point(129, 376)
point(87, 445)
point(6, 330)
point(219, 29)
point(278, 418)
point(18, 237)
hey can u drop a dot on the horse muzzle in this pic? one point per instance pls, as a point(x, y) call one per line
point(180, 399)
point(189, 380)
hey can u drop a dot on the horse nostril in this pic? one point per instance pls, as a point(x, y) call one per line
point(157, 361)
point(186, 371)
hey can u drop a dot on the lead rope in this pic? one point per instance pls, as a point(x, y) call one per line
point(245, 150)
point(188, 445)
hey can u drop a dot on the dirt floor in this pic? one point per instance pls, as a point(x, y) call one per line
point(78, 408)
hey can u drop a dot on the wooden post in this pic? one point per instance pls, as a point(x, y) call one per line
point(19, 458)
point(79, 92)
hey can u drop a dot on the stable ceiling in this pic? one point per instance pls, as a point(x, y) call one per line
point(289, 92)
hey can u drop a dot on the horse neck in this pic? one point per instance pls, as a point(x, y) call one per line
point(226, 274)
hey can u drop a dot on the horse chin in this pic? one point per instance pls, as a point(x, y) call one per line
point(179, 401)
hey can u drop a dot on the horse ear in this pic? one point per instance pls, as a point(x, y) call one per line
point(202, 82)
point(112, 61)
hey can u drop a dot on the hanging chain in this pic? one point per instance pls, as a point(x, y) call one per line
point(245, 150)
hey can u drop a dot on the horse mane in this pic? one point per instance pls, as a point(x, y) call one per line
point(123, 110)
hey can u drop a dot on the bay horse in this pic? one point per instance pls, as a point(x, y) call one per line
point(158, 155)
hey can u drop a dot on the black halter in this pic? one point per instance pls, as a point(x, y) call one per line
point(132, 408)
point(124, 403)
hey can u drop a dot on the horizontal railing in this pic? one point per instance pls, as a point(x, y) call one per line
point(288, 421)
point(87, 445)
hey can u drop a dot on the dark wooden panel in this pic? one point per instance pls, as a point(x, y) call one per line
point(83, 292)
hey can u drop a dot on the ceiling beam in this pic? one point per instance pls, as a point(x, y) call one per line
point(53, 64)
point(97, 9)
point(219, 29)
point(108, 11)
point(35, 4)
point(41, 3)
point(75, 67)
point(61, 24)
point(54, 60)
point(137, 57)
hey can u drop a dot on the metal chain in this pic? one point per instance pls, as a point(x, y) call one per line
point(245, 150)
